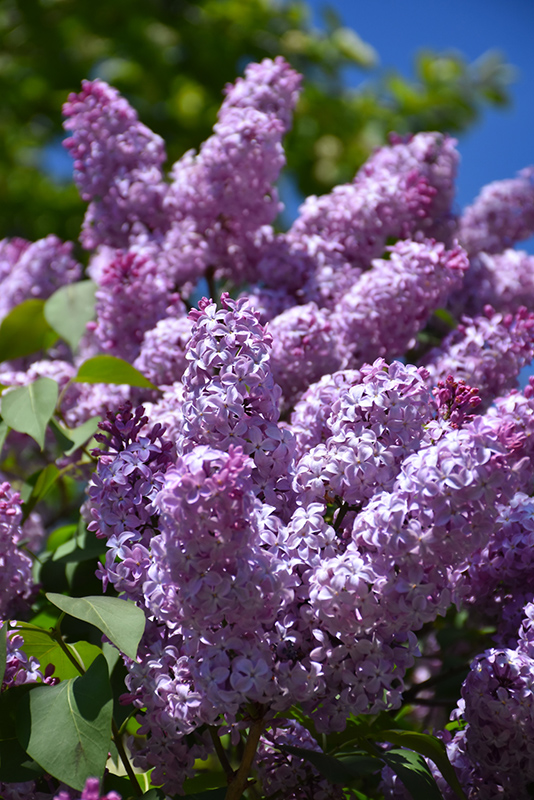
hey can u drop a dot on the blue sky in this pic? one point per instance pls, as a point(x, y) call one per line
point(503, 141)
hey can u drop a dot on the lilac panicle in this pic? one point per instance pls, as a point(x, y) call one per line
point(34, 270)
point(132, 297)
point(228, 188)
point(271, 87)
point(501, 215)
point(404, 188)
point(488, 352)
point(117, 165)
point(230, 394)
point(91, 791)
point(16, 580)
point(288, 774)
point(122, 492)
point(162, 357)
point(305, 347)
point(504, 281)
point(385, 309)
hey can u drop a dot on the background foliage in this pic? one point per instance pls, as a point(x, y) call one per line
point(170, 59)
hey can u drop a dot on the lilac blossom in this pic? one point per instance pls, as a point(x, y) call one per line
point(385, 309)
point(501, 215)
point(505, 281)
point(296, 778)
point(132, 297)
point(16, 581)
point(230, 394)
point(488, 352)
point(305, 347)
point(228, 188)
point(117, 166)
point(404, 188)
point(162, 356)
point(34, 270)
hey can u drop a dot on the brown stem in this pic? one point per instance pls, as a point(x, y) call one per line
point(117, 740)
point(221, 754)
point(238, 783)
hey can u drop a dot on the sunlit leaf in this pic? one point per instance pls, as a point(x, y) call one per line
point(70, 309)
point(120, 620)
point(28, 409)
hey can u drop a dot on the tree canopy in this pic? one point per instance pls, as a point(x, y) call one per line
point(171, 58)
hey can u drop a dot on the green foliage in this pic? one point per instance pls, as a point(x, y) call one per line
point(412, 770)
point(30, 408)
point(120, 620)
point(171, 59)
point(70, 309)
point(47, 650)
point(25, 330)
point(66, 728)
point(109, 369)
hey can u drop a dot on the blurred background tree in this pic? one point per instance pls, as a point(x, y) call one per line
point(171, 58)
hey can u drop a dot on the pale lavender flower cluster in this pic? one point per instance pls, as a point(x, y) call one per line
point(231, 397)
point(117, 166)
point(487, 352)
point(91, 791)
point(31, 270)
point(501, 215)
point(15, 566)
point(385, 309)
point(282, 562)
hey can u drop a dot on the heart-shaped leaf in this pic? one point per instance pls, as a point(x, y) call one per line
point(70, 309)
point(28, 409)
point(120, 620)
point(25, 330)
point(67, 728)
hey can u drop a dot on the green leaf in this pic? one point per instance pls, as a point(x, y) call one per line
point(4, 430)
point(25, 330)
point(206, 779)
point(67, 728)
point(70, 309)
point(60, 536)
point(47, 478)
point(340, 771)
point(15, 764)
point(428, 746)
point(120, 620)
point(29, 408)
point(3, 651)
point(85, 547)
point(82, 434)
point(47, 651)
point(109, 369)
point(412, 769)
point(154, 794)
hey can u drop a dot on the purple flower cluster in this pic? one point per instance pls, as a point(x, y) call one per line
point(15, 565)
point(295, 506)
point(502, 215)
point(31, 270)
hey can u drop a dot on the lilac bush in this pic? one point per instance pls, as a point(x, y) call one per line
point(294, 485)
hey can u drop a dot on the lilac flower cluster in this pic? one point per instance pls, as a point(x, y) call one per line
point(15, 566)
point(295, 505)
point(31, 270)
